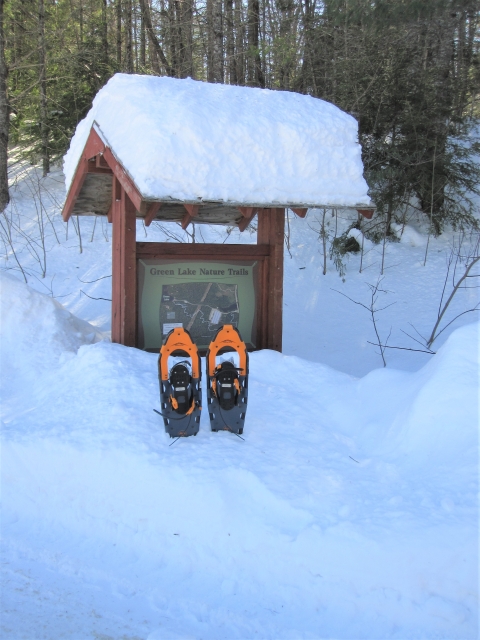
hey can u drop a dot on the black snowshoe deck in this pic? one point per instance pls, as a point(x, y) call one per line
point(227, 386)
point(180, 387)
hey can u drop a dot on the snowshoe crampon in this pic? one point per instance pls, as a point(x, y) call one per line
point(227, 390)
point(180, 384)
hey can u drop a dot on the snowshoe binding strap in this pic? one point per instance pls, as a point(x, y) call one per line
point(181, 398)
point(226, 386)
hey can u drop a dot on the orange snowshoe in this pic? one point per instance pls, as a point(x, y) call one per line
point(180, 385)
point(227, 390)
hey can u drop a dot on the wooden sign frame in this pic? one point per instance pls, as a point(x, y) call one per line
point(126, 252)
point(102, 186)
point(221, 253)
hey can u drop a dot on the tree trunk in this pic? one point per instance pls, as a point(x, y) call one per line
point(239, 42)
point(181, 37)
point(210, 42)
point(143, 43)
point(4, 117)
point(284, 60)
point(104, 38)
point(255, 75)
point(159, 54)
point(173, 42)
point(231, 62)
point(42, 60)
point(186, 35)
point(217, 41)
point(128, 43)
point(118, 11)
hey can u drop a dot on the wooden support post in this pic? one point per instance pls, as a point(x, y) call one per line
point(271, 231)
point(124, 285)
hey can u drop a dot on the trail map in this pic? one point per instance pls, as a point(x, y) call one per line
point(199, 307)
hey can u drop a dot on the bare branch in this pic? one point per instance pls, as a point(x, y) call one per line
point(386, 346)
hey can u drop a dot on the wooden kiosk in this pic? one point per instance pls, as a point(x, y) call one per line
point(102, 185)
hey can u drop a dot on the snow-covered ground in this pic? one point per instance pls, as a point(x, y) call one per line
point(350, 510)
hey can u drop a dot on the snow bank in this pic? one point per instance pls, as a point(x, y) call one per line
point(189, 140)
point(350, 510)
point(37, 334)
point(429, 418)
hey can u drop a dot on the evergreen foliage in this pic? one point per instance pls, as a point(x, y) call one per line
point(408, 70)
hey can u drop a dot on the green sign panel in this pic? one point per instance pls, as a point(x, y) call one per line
point(198, 296)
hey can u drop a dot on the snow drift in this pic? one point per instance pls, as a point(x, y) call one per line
point(37, 334)
point(187, 140)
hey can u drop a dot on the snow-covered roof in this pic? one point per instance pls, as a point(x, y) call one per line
point(189, 141)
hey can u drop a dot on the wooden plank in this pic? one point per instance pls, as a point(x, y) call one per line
point(93, 168)
point(271, 230)
point(101, 162)
point(95, 195)
point(192, 211)
point(277, 231)
point(246, 211)
point(123, 269)
point(263, 238)
point(117, 283)
point(124, 179)
point(75, 189)
point(366, 213)
point(130, 267)
point(151, 250)
point(263, 229)
point(301, 213)
point(152, 212)
point(262, 308)
point(94, 145)
point(248, 214)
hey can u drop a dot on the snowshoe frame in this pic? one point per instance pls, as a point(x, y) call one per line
point(180, 424)
point(227, 339)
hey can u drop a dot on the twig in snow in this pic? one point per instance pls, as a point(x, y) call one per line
point(92, 298)
point(92, 281)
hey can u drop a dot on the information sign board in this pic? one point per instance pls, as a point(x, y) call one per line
point(199, 296)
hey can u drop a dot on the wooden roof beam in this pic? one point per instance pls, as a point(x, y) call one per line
point(95, 146)
point(192, 211)
point(152, 211)
point(94, 167)
point(366, 213)
point(124, 179)
point(75, 188)
point(301, 213)
point(248, 214)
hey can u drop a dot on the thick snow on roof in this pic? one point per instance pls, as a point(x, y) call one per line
point(189, 140)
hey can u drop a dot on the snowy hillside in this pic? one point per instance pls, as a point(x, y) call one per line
point(350, 510)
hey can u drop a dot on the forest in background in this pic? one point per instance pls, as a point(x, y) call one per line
point(408, 70)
